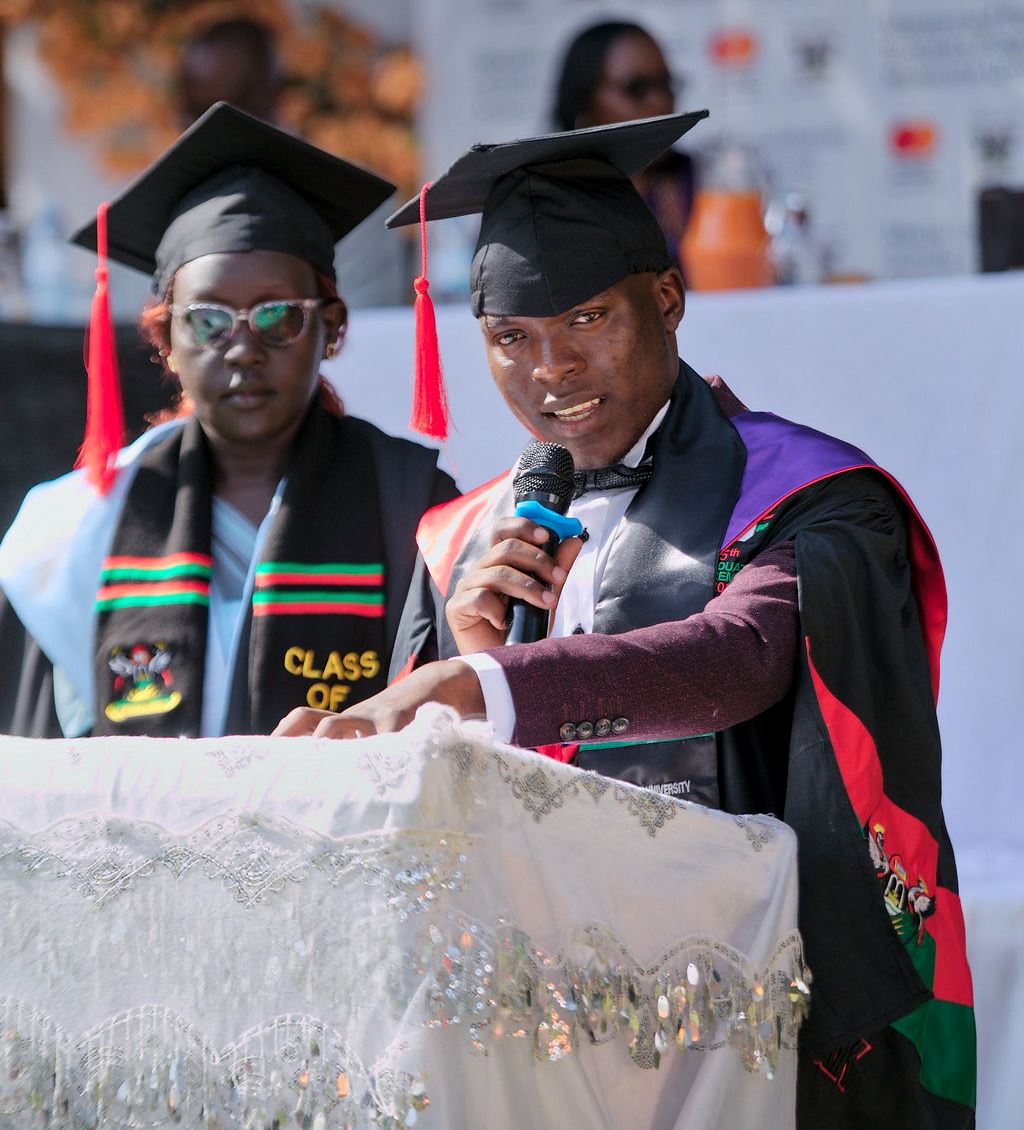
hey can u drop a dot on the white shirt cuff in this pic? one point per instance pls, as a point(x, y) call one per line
point(498, 704)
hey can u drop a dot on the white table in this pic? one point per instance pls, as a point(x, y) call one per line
point(223, 932)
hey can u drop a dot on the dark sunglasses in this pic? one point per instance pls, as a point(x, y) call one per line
point(643, 86)
point(277, 323)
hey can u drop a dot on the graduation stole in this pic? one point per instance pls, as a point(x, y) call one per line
point(316, 630)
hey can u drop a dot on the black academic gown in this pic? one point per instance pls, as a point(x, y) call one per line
point(353, 494)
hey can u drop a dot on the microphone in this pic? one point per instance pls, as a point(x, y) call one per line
point(542, 487)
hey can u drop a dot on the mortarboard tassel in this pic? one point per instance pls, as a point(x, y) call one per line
point(429, 399)
point(104, 418)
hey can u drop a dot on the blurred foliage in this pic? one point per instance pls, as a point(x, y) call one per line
point(117, 63)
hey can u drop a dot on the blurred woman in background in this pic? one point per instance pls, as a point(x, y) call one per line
point(614, 72)
point(252, 554)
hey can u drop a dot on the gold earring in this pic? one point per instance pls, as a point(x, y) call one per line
point(331, 351)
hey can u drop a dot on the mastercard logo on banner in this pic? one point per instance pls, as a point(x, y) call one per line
point(913, 140)
point(733, 48)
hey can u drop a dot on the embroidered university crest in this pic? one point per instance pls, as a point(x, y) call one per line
point(907, 903)
point(143, 682)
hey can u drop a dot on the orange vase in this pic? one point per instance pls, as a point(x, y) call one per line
point(725, 245)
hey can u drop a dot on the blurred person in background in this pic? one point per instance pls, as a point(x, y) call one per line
point(252, 553)
point(236, 61)
point(614, 72)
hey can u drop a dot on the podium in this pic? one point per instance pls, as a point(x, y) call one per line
point(425, 929)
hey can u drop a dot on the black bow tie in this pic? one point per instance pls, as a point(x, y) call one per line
point(615, 477)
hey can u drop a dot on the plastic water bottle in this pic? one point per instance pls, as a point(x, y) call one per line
point(45, 269)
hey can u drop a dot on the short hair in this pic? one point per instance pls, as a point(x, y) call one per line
point(583, 66)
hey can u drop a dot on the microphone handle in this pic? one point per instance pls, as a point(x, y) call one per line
point(530, 623)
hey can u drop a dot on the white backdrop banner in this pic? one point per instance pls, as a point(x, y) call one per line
point(888, 115)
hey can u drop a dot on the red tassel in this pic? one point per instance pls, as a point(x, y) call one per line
point(429, 398)
point(104, 419)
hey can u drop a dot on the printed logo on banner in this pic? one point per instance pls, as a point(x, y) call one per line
point(915, 140)
point(995, 145)
point(814, 54)
point(916, 247)
point(733, 48)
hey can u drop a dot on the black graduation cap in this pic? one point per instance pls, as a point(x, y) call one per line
point(561, 220)
point(232, 182)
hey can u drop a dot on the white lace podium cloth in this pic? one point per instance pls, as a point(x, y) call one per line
point(421, 930)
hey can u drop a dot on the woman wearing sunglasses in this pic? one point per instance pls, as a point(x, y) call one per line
point(252, 554)
point(614, 72)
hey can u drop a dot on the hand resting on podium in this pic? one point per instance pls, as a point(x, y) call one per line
point(478, 614)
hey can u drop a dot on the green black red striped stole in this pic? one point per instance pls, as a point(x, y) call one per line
point(291, 588)
point(141, 582)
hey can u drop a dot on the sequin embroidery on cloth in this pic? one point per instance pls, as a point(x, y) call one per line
point(699, 995)
point(758, 832)
point(148, 1068)
point(541, 791)
point(253, 854)
point(236, 757)
point(652, 809)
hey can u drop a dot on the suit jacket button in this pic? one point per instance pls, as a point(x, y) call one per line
point(602, 727)
point(567, 731)
point(585, 730)
point(620, 725)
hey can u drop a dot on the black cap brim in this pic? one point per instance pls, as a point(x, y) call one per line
point(340, 193)
point(464, 188)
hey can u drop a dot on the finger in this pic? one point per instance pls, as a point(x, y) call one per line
point(566, 553)
point(378, 715)
point(520, 554)
point(470, 607)
point(344, 726)
point(519, 528)
point(515, 555)
point(509, 583)
point(299, 722)
point(391, 721)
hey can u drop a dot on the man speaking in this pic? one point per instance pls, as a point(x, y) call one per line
point(752, 620)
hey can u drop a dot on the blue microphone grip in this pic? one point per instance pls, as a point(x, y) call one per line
point(559, 524)
point(528, 622)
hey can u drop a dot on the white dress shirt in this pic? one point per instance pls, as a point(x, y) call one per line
point(601, 512)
